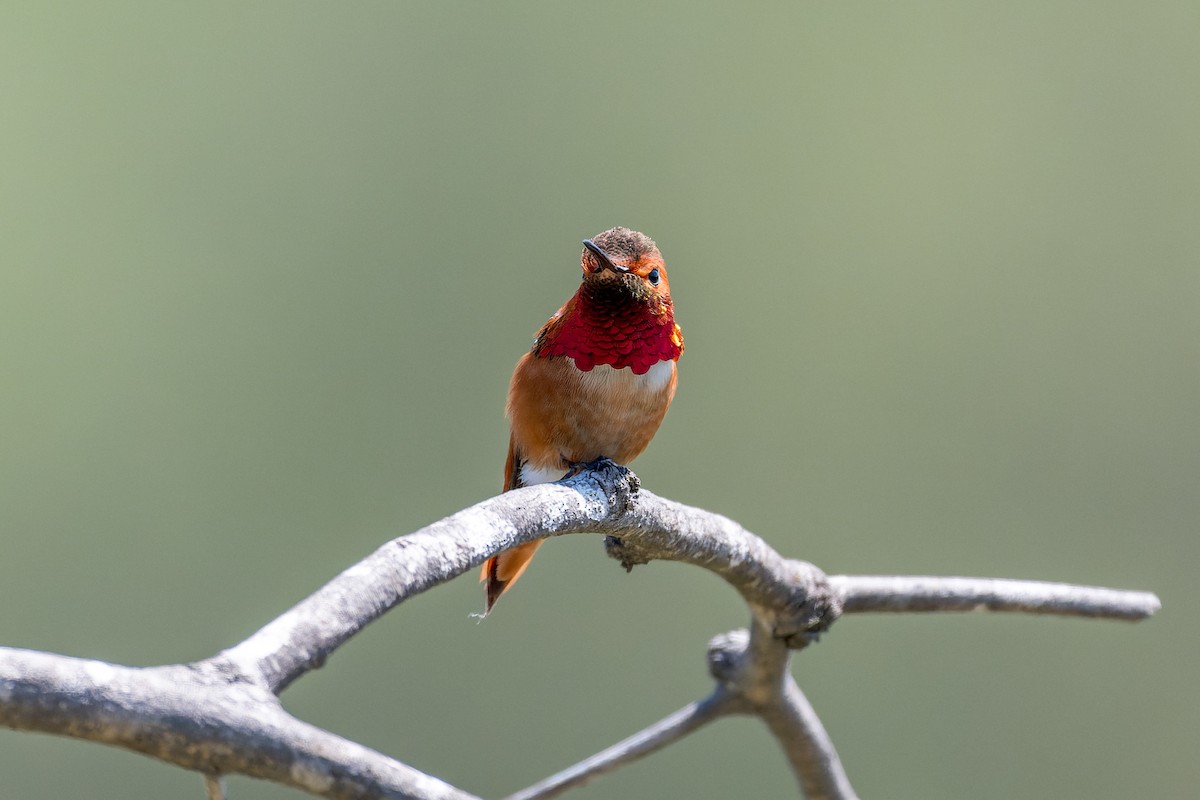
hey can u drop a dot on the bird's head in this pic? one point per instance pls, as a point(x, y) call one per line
point(624, 261)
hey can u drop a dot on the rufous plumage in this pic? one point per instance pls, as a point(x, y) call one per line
point(598, 380)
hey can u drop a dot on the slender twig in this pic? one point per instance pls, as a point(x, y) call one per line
point(807, 745)
point(214, 787)
point(662, 733)
point(861, 593)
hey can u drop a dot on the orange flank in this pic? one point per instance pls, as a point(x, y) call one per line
point(598, 380)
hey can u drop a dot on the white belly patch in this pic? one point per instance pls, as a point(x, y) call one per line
point(532, 476)
point(604, 376)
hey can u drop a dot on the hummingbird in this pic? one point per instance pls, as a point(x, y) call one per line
point(597, 382)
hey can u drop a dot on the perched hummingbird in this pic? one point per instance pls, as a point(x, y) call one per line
point(598, 379)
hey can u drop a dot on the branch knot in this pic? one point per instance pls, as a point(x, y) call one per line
point(726, 652)
point(813, 607)
point(618, 483)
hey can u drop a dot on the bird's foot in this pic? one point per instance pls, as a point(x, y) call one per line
point(618, 482)
point(595, 465)
point(603, 464)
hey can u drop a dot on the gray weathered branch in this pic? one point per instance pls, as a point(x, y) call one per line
point(751, 670)
point(222, 715)
point(899, 593)
point(790, 595)
point(214, 787)
point(199, 717)
point(666, 731)
point(754, 666)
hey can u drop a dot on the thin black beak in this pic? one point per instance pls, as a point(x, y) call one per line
point(605, 261)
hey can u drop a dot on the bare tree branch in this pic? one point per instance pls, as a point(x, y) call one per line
point(755, 667)
point(789, 595)
point(667, 731)
point(222, 716)
point(917, 593)
point(201, 718)
point(752, 676)
point(214, 787)
point(807, 745)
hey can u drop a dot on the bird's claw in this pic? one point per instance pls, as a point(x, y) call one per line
point(595, 465)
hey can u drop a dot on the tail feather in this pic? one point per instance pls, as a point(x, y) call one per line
point(502, 570)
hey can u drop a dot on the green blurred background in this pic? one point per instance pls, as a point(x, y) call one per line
point(266, 269)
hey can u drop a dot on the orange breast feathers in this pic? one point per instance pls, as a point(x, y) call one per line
point(561, 415)
point(598, 380)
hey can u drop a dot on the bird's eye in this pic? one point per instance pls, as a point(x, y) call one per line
point(653, 277)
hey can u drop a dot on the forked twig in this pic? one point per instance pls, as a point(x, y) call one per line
point(666, 731)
